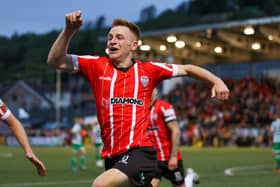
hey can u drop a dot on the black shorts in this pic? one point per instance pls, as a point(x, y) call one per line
point(138, 163)
point(176, 176)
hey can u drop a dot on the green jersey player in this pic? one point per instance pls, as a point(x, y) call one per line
point(77, 145)
point(275, 132)
point(96, 138)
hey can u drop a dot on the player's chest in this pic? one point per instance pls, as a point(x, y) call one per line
point(131, 80)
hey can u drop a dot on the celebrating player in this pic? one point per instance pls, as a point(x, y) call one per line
point(164, 132)
point(9, 119)
point(122, 87)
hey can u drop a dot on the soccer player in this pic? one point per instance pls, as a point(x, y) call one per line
point(9, 119)
point(122, 88)
point(77, 145)
point(97, 141)
point(164, 132)
point(275, 134)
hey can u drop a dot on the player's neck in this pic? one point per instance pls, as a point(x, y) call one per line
point(126, 67)
point(123, 63)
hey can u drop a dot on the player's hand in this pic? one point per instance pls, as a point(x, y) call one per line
point(172, 163)
point(220, 91)
point(41, 170)
point(74, 20)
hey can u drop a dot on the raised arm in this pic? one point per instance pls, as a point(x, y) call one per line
point(219, 89)
point(19, 133)
point(58, 57)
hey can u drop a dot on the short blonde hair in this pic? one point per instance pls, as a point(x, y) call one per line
point(132, 26)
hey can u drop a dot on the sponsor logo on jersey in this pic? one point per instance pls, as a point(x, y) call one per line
point(105, 78)
point(105, 102)
point(154, 116)
point(123, 100)
point(144, 80)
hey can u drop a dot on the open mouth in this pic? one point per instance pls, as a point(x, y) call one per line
point(113, 49)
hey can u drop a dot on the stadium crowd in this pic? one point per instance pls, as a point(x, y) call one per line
point(243, 120)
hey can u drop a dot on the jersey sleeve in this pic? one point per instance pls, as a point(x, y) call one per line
point(161, 71)
point(4, 111)
point(168, 113)
point(85, 65)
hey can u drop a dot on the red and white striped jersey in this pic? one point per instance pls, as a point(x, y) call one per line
point(122, 99)
point(161, 114)
point(4, 111)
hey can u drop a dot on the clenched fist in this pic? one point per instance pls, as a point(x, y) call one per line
point(74, 20)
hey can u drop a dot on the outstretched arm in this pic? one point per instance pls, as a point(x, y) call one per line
point(175, 142)
point(21, 137)
point(219, 89)
point(58, 57)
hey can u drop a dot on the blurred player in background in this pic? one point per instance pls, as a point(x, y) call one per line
point(122, 87)
point(18, 131)
point(77, 145)
point(164, 132)
point(275, 136)
point(97, 141)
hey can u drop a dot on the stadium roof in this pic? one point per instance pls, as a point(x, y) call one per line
point(217, 43)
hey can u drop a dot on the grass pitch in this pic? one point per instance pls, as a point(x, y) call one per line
point(217, 167)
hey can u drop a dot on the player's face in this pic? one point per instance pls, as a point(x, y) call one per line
point(121, 43)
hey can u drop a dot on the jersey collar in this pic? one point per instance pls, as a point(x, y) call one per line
point(126, 68)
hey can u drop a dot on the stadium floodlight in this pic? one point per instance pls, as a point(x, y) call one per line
point(249, 30)
point(180, 44)
point(145, 48)
point(162, 47)
point(256, 46)
point(140, 42)
point(270, 37)
point(198, 44)
point(218, 49)
point(171, 38)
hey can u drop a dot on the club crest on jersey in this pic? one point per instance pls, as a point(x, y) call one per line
point(154, 116)
point(144, 80)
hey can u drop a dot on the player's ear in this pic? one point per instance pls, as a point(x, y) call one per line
point(134, 45)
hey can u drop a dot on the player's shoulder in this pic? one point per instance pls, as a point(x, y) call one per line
point(149, 62)
point(275, 122)
point(152, 67)
point(92, 58)
point(164, 103)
